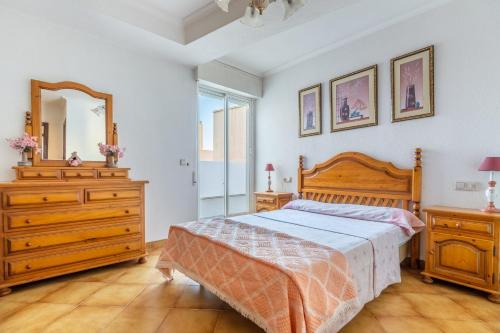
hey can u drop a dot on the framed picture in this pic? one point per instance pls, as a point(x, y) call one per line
point(353, 100)
point(412, 80)
point(310, 111)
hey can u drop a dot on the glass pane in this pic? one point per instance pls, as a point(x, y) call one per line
point(237, 145)
point(211, 155)
point(72, 121)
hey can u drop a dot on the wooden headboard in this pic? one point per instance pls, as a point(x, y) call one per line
point(355, 178)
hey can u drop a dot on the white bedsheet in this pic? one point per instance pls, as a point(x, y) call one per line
point(371, 248)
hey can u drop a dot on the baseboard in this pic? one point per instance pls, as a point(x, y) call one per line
point(151, 246)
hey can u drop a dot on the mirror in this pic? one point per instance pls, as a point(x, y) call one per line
point(71, 121)
point(69, 117)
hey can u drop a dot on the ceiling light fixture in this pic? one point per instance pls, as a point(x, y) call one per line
point(255, 9)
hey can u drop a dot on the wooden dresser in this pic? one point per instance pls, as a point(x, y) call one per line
point(58, 220)
point(268, 201)
point(462, 247)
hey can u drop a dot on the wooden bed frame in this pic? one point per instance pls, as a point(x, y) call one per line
point(355, 178)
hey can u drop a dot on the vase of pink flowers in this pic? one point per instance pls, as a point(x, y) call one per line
point(24, 145)
point(112, 153)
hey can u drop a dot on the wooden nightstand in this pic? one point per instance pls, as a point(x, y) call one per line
point(462, 247)
point(267, 201)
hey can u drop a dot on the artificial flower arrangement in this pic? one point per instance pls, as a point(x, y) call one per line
point(24, 145)
point(112, 153)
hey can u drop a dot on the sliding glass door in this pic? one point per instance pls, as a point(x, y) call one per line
point(225, 152)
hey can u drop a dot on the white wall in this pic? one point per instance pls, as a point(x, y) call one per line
point(154, 105)
point(464, 130)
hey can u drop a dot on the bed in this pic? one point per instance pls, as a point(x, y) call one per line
point(311, 266)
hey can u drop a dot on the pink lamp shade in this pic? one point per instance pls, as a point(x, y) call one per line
point(269, 167)
point(490, 164)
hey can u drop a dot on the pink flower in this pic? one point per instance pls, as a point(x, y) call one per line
point(110, 150)
point(25, 143)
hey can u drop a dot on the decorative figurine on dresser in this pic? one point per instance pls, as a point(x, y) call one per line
point(56, 218)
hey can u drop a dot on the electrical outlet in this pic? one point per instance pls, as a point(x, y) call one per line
point(287, 180)
point(468, 186)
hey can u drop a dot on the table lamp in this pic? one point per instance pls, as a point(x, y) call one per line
point(491, 164)
point(269, 168)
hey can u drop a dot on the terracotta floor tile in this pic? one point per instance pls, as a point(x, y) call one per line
point(152, 260)
point(180, 278)
point(437, 306)
point(197, 297)
point(391, 305)
point(84, 319)
point(189, 321)
point(73, 292)
point(144, 275)
point(105, 274)
point(115, 294)
point(412, 283)
point(458, 326)
point(408, 325)
point(34, 317)
point(478, 305)
point(137, 320)
point(144, 302)
point(494, 325)
point(364, 322)
point(33, 292)
point(8, 308)
point(231, 321)
point(159, 296)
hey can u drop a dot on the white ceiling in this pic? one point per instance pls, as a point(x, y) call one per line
point(194, 32)
point(178, 8)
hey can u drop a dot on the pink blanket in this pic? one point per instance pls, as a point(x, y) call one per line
point(396, 216)
point(284, 284)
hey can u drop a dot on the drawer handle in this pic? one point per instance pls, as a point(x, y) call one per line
point(45, 199)
point(458, 225)
point(28, 244)
point(127, 230)
point(28, 266)
point(78, 174)
point(127, 211)
point(446, 225)
point(127, 247)
point(39, 174)
point(112, 174)
point(115, 195)
point(27, 221)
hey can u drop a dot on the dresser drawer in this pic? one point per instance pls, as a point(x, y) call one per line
point(79, 174)
point(18, 267)
point(264, 208)
point(23, 199)
point(38, 174)
point(16, 244)
point(95, 195)
point(15, 221)
point(266, 201)
point(113, 174)
point(462, 225)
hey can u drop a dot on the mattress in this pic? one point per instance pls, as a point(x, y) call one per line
point(354, 238)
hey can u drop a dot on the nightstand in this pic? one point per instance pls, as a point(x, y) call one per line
point(462, 247)
point(267, 201)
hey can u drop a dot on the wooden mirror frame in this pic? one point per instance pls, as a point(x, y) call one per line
point(33, 121)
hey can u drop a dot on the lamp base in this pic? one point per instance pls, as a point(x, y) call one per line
point(269, 191)
point(491, 210)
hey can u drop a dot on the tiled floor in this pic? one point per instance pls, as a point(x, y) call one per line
point(134, 298)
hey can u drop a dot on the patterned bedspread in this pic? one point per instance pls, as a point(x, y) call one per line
point(284, 284)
